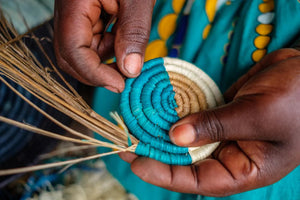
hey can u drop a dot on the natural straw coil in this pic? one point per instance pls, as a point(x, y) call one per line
point(166, 90)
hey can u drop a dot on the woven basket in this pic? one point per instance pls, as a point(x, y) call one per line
point(167, 90)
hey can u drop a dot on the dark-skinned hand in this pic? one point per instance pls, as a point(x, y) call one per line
point(259, 128)
point(82, 43)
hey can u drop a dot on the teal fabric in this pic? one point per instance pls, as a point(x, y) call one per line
point(225, 54)
point(33, 12)
point(235, 26)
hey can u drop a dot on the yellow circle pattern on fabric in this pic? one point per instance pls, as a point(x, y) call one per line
point(261, 42)
point(264, 29)
point(258, 54)
point(266, 7)
point(155, 49)
point(210, 8)
point(178, 5)
point(206, 31)
point(166, 28)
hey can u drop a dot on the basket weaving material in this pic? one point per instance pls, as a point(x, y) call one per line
point(167, 90)
point(20, 147)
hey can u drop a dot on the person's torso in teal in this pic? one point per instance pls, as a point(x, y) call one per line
point(223, 38)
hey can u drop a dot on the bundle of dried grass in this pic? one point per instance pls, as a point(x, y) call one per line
point(19, 64)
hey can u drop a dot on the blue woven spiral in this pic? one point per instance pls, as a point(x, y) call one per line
point(148, 107)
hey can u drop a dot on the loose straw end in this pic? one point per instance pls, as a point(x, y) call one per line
point(121, 124)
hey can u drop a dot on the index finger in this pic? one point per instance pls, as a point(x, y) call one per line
point(132, 34)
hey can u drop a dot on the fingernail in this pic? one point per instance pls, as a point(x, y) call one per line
point(183, 135)
point(133, 63)
point(113, 89)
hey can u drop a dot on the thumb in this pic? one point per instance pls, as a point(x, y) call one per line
point(132, 34)
point(234, 121)
point(257, 111)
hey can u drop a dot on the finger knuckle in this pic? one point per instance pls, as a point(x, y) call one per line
point(134, 32)
point(211, 126)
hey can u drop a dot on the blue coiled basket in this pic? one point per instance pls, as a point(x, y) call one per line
point(166, 90)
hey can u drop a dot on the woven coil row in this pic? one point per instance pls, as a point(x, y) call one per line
point(167, 90)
